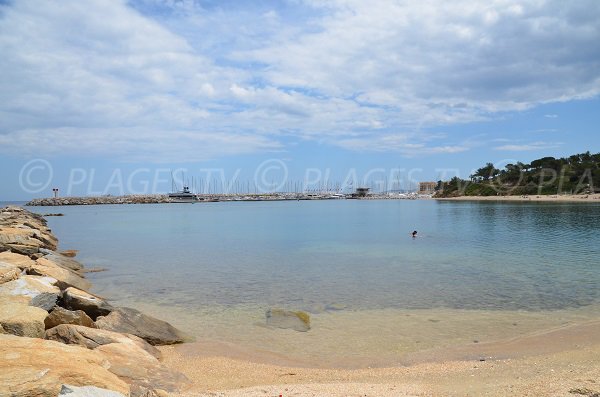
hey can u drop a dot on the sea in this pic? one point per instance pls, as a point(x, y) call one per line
point(476, 272)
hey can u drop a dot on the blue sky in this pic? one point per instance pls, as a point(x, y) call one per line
point(101, 97)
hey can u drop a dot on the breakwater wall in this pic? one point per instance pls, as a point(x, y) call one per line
point(57, 338)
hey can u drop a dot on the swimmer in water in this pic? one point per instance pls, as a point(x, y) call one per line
point(414, 234)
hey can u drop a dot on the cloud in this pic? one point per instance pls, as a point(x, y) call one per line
point(168, 79)
point(551, 116)
point(533, 146)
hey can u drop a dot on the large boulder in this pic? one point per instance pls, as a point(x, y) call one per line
point(20, 238)
point(62, 259)
point(280, 318)
point(41, 290)
point(63, 316)
point(92, 305)
point(86, 391)
point(92, 338)
point(140, 369)
point(22, 261)
point(132, 321)
point(22, 320)
point(129, 357)
point(32, 367)
point(8, 272)
point(66, 277)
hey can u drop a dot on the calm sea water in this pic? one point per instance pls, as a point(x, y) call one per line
point(230, 261)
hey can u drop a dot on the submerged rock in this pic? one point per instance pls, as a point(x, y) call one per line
point(69, 253)
point(296, 320)
point(93, 306)
point(131, 321)
point(63, 260)
point(63, 316)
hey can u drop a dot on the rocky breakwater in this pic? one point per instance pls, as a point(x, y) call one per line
point(130, 199)
point(58, 339)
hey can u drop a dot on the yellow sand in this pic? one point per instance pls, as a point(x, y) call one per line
point(560, 362)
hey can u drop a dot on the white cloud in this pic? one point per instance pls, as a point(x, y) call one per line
point(173, 79)
point(533, 146)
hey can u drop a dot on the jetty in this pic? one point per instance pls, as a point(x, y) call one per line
point(207, 198)
point(57, 338)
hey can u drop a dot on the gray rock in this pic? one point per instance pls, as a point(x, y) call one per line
point(63, 316)
point(280, 318)
point(65, 259)
point(131, 321)
point(87, 391)
point(41, 290)
point(92, 305)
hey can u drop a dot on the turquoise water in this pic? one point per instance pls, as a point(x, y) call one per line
point(357, 254)
point(478, 271)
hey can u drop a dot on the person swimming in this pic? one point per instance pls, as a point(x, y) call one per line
point(414, 233)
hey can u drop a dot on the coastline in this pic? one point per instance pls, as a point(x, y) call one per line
point(561, 360)
point(56, 338)
point(584, 198)
point(556, 362)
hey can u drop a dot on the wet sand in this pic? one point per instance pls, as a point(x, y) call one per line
point(564, 361)
point(563, 198)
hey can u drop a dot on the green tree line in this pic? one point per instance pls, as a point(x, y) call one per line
point(576, 174)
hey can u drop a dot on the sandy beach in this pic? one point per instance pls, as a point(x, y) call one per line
point(563, 198)
point(558, 362)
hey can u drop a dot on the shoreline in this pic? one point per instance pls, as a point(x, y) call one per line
point(562, 360)
point(555, 362)
point(581, 198)
point(57, 338)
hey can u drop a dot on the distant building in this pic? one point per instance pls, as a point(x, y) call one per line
point(427, 187)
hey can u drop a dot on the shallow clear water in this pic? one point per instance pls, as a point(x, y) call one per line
point(218, 266)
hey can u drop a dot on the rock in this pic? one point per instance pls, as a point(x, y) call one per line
point(41, 290)
point(23, 320)
point(299, 321)
point(26, 250)
point(131, 321)
point(8, 272)
point(22, 261)
point(69, 253)
point(93, 306)
point(20, 237)
point(66, 277)
point(92, 338)
point(62, 260)
point(87, 391)
point(38, 368)
point(63, 316)
point(140, 369)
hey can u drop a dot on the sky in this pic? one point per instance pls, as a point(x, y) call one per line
point(114, 97)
